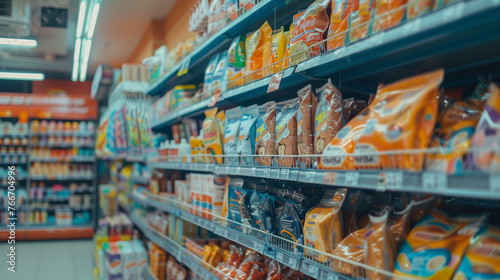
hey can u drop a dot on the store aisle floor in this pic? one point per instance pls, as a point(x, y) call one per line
point(54, 260)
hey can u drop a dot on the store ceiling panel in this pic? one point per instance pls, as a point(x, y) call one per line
point(120, 26)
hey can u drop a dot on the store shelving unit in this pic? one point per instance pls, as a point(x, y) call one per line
point(440, 35)
point(171, 247)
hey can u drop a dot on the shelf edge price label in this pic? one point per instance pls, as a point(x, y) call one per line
point(292, 262)
point(279, 257)
point(285, 174)
point(330, 178)
point(275, 81)
point(332, 276)
point(238, 171)
point(313, 271)
point(267, 172)
point(352, 178)
point(495, 184)
point(179, 255)
point(259, 247)
point(434, 181)
point(310, 176)
point(253, 171)
point(184, 68)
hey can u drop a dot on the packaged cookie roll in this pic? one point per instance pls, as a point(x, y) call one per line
point(286, 133)
point(305, 125)
point(265, 134)
point(329, 116)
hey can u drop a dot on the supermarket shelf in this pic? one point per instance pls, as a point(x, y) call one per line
point(64, 133)
point(200, 56)
point(63, 146)
point(50, 232)
point(254, 240)
point(14, 154)
point(412, 42)
point(477, 185)
point(143, 201)
point(125, 157)
point(63, 159)
point(61, 178)
point(181, 254)
point(15, 164)
point(53, 208)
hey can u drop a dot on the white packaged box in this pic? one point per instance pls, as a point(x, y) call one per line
point(128, 260)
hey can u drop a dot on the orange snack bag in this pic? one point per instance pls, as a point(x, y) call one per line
point(339, 19)
point(309, 29)
point(389, 13)
point(305, 125)
point(380, 247)
point(338, 153)
point(351, 248)
point(258, 51)
point(402, 117)
point(265, 138)
point(359, 21)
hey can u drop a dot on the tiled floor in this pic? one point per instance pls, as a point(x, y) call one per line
point(49, 260)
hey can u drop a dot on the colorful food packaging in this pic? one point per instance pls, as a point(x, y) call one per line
point(309, 29)
point(246, 5)
point(230, 266)
point(209, 75)
point(252, 267)
point(286, 133)
point(417, 8)
point(399, 224)
point(290, 223)
point(278, 46)
point(487, 135)
point(323, 225)
point(219, 81)
point(258, 52)
point(266, 214)
point(232, 9)
point(211, 135)
point(339, 18)
point(380, 247)
point(355, 204)
point(359, 22)
point(221, 121)
point(275, 271)
point(236, 62)
point(482, 258)
point(233, 119)
point(246, 135)
point(237, 205)
point(402, 118)
point(305, 125)
point(265, 134)
point(329, 117)
point(435, 246)
point(350, 248)
point(389, 13)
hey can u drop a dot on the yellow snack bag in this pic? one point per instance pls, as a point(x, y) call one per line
point(351, 248)
point(211, 134)
point(482, 259)
point(278, 46)
point(221, 121)
point(258, 52)
point(323, 228)
point(435, 246)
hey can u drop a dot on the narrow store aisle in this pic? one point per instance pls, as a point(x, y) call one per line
point(54, 260)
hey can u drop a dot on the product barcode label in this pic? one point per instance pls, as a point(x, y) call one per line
point(330, 178)
point(267, 172)
point(392, 180)
point(285, 174)
point(310, 176)
point(259, 247)
point(351, 179)
point(279, 257)
point(313, 271)
point(332, 276)
point(238, 171)
point(495, 184)
point(433, 181)
point(292, 262)
point(253, 171)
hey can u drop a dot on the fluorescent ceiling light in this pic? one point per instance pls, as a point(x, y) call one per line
point(22, 76)
point(18, 42)
point(81, 18)
point(93, 20)
point(85, 60)
point(76, 60)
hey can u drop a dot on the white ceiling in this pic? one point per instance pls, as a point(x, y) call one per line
point(120, 26)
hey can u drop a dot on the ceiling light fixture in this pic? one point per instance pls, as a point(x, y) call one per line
point(18, 42)
point(87, 20)
point(22, 76)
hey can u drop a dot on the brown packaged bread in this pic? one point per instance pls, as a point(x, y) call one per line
point(286, 133)
point(265, 135)
point(380, 247)
point(305, 124)
point(329, 116)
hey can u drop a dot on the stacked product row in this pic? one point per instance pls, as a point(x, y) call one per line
point(457, 126)
point(405, 234)
point(324, 26)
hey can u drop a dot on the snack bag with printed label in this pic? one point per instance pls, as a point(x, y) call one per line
point(339, 18)
point(258, 52)
point(265, 135)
